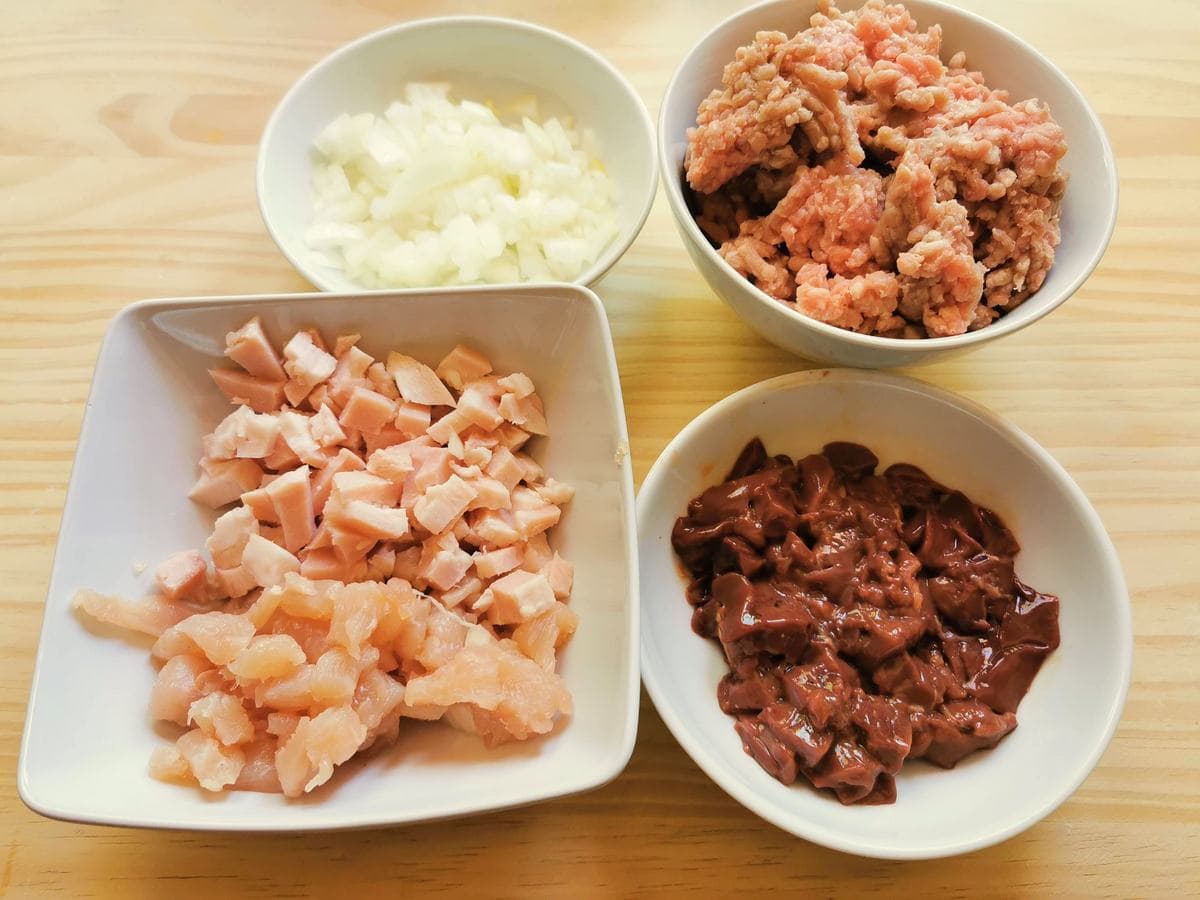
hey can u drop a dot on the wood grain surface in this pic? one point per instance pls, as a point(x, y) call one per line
point(127, 144)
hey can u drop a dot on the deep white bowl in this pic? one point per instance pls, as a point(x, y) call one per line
point(1089, 209)
point(88, 734)
point(483, 59)
point(1072, 708)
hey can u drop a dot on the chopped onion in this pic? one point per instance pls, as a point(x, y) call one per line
point(437, 191)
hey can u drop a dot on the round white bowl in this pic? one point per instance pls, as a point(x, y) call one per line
point(483, 59)
point(1089, 208)
point(1071, 710)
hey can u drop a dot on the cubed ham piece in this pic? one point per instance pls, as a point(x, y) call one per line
point(243, 434)
point(350, 546)
point(320, 396)
point(491, 563)
point(536, 520)
point(282, 457)
point(259, 394)
point(533, 471)
point(370, 520)
point(518, 597)
point(260, 505)
point(505, 468)
point(229, 535)
point(561, 575)
point(479, 404)
point(465, 590)
point(475, 455)
point(518, 384)
point(344, 342)
point(536, 553)
point(495, 527)
point(412, 418)
point(223, 481)
point(463, 364)
point(417, 382)
point(555, 492)
point(489, 494)
point(511, 436)
point(407, 563)
point(250, 349)
point(306, 364)
point(344, 461)
point(267, 562)
point(525, 412)
point(381, 563)
point(381, 381)
point(350, 372)
point(388, 436)
point(322, 563)
point(393, 463)
point(431, 466)
point(367, 410)
point(293, 428)
point(443, 562)
point(235, 582)
point(291, 496)
point(325, 428)
point(451, 423)
point(442, 503)
point(363, 485)
point(182, 575)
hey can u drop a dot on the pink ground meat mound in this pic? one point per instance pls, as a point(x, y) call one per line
point(849, 172)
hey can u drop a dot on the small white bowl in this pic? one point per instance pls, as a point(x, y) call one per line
point(1089, 211)
point(88, 734)
point(1075, 702)
point(483, 59)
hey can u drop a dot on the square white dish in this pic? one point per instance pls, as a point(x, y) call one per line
point(88, 735)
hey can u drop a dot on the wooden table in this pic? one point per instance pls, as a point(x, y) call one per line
point(127, 144)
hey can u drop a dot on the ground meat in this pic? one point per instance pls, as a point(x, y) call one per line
point(848, 165)
point(866, 619)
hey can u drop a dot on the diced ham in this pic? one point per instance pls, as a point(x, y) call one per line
point(417, 382)
point(519, 596)
point(250, 349)
point(442, 503)
point(259, 394)
point(345, 461)
point(480, 404)
point(489, 494)
point(350, 372)
point(325, 428)
point(382, 382)
point(463, 591)
point(388, 436)
point(177, 687)
point(524, 411)
point(322, 563)
point(363, 485)
point(451, 423)
point(222, 716)
point(443, 562)
point(536, 553)
point(511, 436)
point(475, 455)
point(224, 481)
point(518, 384)
point(407, 563)
point(555, 492)
point(260, 505)
point(293, 428)
point(243, 434)
point(490, 563)
point(182, 575)
point(533, 471)
point(368, 519)
point(350, 546)
point(282, 457)
point(536, 520)
point(306, 364)
point(212, 765)
point(320, 396)
point(495, 527)
point(382, 562)
point(344, 342)
point(367, 410)
point(431, 466)
point(236, 581)
point(291, 496)
point(412, 418)
point(561, 575)
point(393, 463)
point(266, 562)
point(505, 468)
point(463, 364)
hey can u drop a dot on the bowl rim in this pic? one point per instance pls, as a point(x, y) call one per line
point(616, 248)
point(628, 685)
point(692, 740)
point(1002, 326)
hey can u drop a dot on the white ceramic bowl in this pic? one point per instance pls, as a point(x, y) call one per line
point(1089, 208)
point(88, 735)
point(483, 58)
point(1070, 712)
